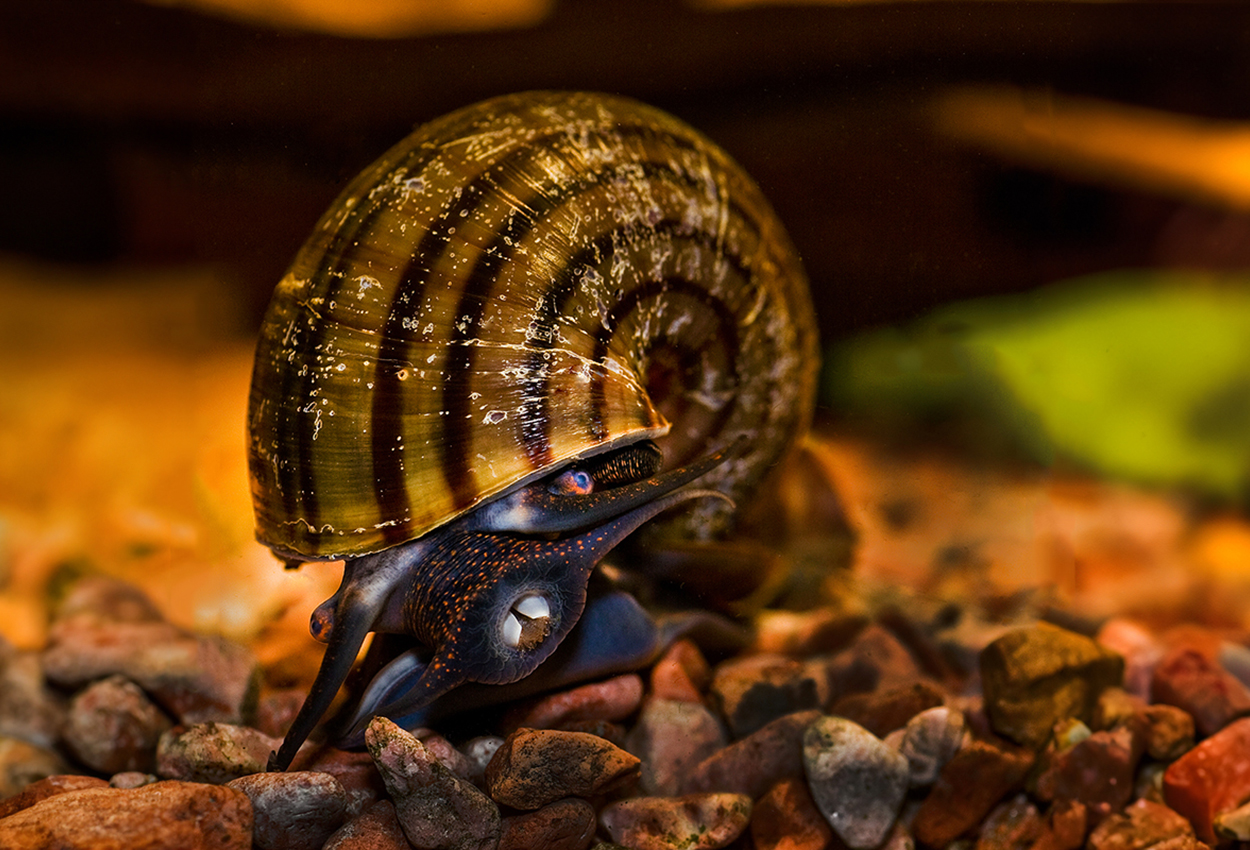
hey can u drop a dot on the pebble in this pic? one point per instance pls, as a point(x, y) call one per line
point(197, 678)
point(47, 787)
point(1169, 731)
point(1143, 824)
point(1139, 648)
point(106, 599)
point(1210, 779)
point(28, 709)
point(535, 767)
point(975, 779)
point(756, 689)
point(22, 763)
point(692, 822)
point(1234, 825)
point(857, 781)
point(611, 699)
point(929, 741)
point(479, 751)
point(1013, 824)
point(681, 674)
point(671, 738)
point(112, 726)
point(355, 771)
point(806, 632)
point(1189, 680)
point(754, 764)
point(1097, 771)
point(567, 824)
point(1034, 677)
point(876, 658)
point(212, 752)
point(276, 710)
point(132, 779)
point(886, 709)
point(446, 753)
point(296, 810)
point(436, 809)
point(376, 829)
point(185, 815)
point(786, 818)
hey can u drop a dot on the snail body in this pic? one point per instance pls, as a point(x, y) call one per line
point(509, 343)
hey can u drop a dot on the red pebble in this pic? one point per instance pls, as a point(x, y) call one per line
point(682, 674)
point(1097, 771)
point(1211, 778)
point(1187, 678)
point(611, 699)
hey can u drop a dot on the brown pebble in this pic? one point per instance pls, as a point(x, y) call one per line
point(112, 726)
point(1069, 821)
point(1189, 680)
point(1013, 824)
point(277, 709)
point(212, 752)
point(47, 787)
point(539, 766)
point(1034, 677)
point(757, 762)
point(786, 818)
point(754, 690)
point(692, 822)
point(976, 778)
point(875, 659)
point(293, 810)
point(1170, 731)
point(681, 674)
point(377, 829)
point(612, 699)
point(1141, 825)
point(799, 633)
point(186, 815)
point(567, 824)
point(884, 710)
point(28, 708)
point(197, 678)
point(436, 809)
point(22, 763)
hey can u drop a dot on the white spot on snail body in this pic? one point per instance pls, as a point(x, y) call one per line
point(494, 417)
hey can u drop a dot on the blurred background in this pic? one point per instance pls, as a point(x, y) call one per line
point(1027, 226)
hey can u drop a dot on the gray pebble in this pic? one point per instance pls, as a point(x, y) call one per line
point(436, 809)
point(297, 810)
point(929, 740)
point(857, 781)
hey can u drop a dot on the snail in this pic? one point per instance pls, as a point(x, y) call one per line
point(514, 339)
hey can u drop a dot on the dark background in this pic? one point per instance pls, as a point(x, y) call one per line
point(138, 134)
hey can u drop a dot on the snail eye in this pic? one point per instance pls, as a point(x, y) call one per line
point(527, 623)
point(574, 482)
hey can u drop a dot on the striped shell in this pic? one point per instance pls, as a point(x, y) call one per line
point(527, 281)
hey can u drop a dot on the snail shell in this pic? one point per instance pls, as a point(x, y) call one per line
point(528, 281)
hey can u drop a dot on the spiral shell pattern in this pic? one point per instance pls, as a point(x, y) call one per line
point(521, 283)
